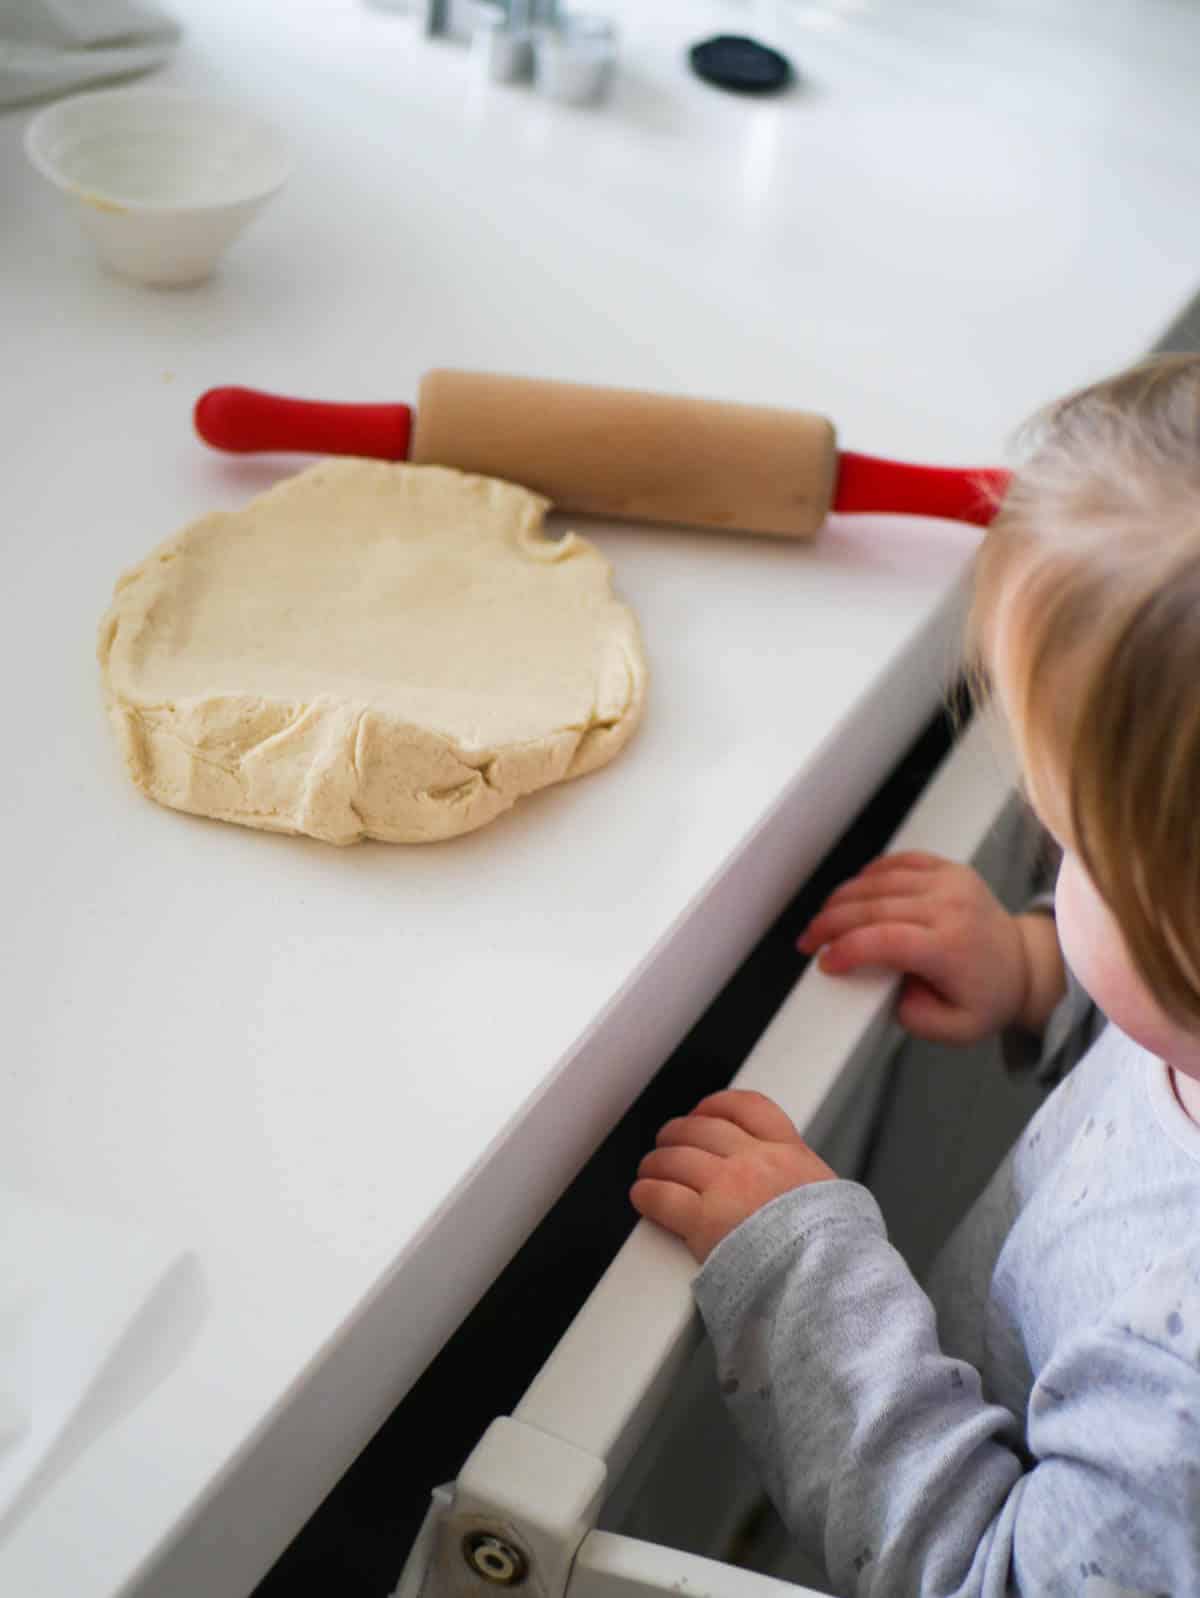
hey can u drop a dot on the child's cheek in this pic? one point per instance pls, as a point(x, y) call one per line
point(1076, 938)
point(1095, 951)
point(1091, 943)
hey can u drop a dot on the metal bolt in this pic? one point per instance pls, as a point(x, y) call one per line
point(494, 1559)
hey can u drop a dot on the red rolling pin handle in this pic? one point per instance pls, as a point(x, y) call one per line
point(244, 420)
point(865, 483)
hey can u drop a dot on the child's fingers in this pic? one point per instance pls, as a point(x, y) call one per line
point(904, 881)
point(838, 919)
point(675, 1208)
point(892, 891)
point(753, 1112)
point(894, 945)
point(709, 1132)
point(916, 859)
point(689, 1167)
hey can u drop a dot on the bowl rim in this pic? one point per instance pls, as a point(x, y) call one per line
point(108, 198)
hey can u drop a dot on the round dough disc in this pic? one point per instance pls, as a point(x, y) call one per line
point(369, 651)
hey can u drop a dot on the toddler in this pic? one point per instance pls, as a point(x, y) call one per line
point(1028, 1422)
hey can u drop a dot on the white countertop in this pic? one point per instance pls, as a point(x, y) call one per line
point(350, 1082)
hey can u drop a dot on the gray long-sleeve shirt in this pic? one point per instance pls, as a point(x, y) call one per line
point(1032, 1425)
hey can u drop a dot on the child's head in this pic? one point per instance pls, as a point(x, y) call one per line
point(1086, 620)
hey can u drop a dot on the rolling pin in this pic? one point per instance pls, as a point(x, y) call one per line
point(613, 452)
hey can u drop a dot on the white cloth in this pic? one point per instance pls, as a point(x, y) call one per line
point(71, 1287)
point(50, 47)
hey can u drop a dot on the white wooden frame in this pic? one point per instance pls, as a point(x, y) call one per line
point(536, 1482)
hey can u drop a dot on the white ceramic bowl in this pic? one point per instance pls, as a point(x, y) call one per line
point(162, 182)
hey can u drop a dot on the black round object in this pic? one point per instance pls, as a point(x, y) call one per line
point(734, 62)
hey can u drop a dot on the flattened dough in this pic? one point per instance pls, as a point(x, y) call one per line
point(369, 651)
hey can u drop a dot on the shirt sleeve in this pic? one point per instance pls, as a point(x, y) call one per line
point(885, 1458)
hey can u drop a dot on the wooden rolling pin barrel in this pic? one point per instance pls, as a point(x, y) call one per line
point(613, 452)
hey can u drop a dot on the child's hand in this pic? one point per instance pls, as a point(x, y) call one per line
point(712, 1169)
point(968, 963)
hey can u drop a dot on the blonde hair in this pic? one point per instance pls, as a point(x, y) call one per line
point(1092, 569)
